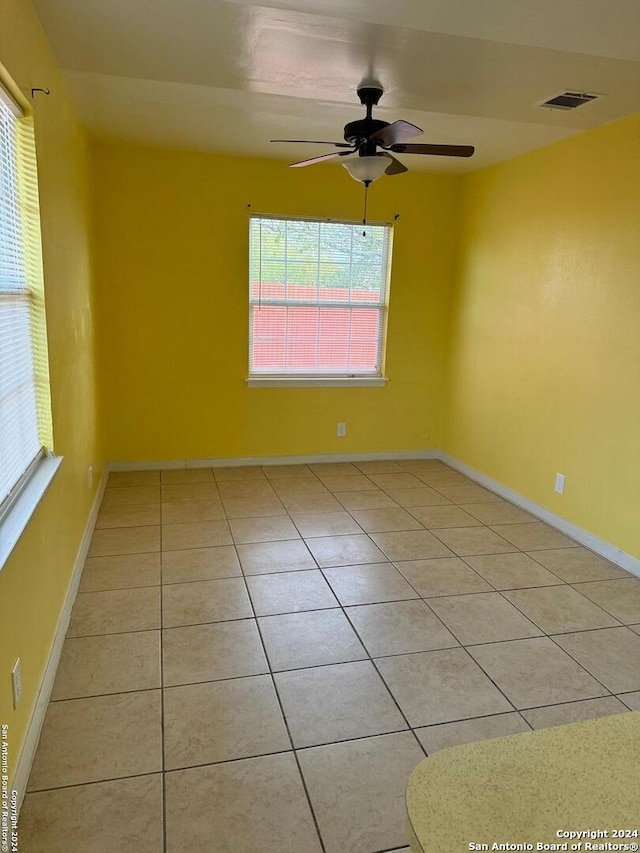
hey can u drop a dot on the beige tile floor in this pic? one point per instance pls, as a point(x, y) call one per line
point(258, 657)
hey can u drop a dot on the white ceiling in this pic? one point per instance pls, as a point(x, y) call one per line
point(228, 75)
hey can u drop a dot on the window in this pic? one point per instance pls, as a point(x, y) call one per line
point(25, 408)
point(318, 301)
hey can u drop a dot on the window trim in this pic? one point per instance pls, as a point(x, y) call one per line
point(328, 378)
point(21, 503)
point(25, 503)
point(306, 381)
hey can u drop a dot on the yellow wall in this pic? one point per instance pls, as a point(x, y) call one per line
point(172, 265)
point(34, 581)
point(544, 366)
point(545, 346)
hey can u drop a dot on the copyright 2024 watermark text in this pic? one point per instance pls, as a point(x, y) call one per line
point(583, 840)
point(8, 799)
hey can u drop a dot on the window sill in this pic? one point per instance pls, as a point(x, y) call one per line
point(14, 523)
point(316, 381)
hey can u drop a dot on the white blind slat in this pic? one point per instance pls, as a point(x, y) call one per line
point(318, 296)
point(20, 440)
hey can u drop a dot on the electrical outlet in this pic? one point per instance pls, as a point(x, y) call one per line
point(341, 430)
point(90, 476)
point(559, 486)
point(16, 682)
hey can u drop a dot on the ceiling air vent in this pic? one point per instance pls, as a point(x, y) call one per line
point(568, 100)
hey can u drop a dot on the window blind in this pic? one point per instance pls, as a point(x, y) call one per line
point(25, 410)
point(318, 297)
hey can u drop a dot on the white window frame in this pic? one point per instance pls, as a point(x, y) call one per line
point(17, 508)
point(325, 379)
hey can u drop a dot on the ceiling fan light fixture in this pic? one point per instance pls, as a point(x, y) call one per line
point(367, 169)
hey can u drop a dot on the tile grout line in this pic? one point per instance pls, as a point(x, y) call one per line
point(372, 661)
point(620, 697)
point(618, 694)
point(545, 635)
point(338, 663)
point(460, 645)
point(94, 782)
point(162, 711)
point(437, 617)
point(551, 636)
point(454, 636)
point(500, 592)
point(286, 722)
point(518, 550)
point(484, 526)
point(402, 464)
point(577, 662)
point(267, 754)
point(560, 633)
point(520, 712)
point(596, 604)
point(424, 597)
point(530, 619)
point(355, 565)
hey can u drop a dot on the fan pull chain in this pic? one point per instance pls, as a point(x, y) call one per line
point(364, 212)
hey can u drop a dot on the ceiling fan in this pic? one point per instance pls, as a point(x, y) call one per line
point(375, 142)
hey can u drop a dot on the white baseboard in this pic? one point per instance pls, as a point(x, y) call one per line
point(220, 462)
point(30, 744)
point(584, 537)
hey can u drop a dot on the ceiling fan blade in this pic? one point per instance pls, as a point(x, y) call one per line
point(395, 133)
point(395, 167)
point(438, 150)
point(322, 157)
point(315, 142)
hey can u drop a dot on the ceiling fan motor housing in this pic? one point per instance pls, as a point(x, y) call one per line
point(358, 132)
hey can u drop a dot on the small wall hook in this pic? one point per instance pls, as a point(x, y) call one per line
point(44, 91)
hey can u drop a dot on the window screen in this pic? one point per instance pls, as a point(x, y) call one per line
point(318, 297)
